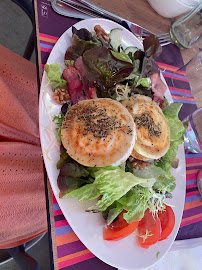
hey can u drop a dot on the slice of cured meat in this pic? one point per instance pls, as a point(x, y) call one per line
point(75, 87)
point(158, 87)
point(90, 91)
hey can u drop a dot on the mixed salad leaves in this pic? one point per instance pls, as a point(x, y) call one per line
point(126, 195)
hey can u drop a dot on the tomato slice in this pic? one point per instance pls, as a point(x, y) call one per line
point(149, 230)
point(167, 218)
point(119, 229)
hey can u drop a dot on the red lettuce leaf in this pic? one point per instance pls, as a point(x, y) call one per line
point(82, 40)
point(103, 68)
point(152, 46)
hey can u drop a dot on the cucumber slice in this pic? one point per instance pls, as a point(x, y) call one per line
point(115, 36)
point(131, 49)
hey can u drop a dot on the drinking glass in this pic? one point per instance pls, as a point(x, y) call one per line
point(193, 71)
point(186, 31)
point(193, 134)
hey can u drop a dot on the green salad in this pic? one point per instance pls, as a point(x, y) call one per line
point(117, 73)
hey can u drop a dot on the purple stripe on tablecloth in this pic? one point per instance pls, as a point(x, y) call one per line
point(63, 230)
point(70, 248)
point(44, 57)
point(193, 198)
point(56, 206)
point(59, 217)
point(191, 189)
point(191, 182)
point(190, 231)
point(42, 45)
point(180, 93)
point(193, 155)
point(192, 212)
point(47, 42)
point(90, 264)
point(194, 167)
point(171, 56)
point(175, 75)
point(178, 84)
point(186, 110)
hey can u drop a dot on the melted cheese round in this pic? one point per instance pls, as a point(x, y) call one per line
point(98, 132)
point(153, 133)
point(136, 155)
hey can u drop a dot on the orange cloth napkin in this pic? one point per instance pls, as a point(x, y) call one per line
point(22, 193)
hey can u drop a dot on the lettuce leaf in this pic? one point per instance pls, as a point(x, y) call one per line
point(135, 202)
point(172, 110)
point(54, 76)
point(103, 68)
point(152, 46)
point(72, 175)
point(114, 211)
point(79, 46)
point(145, 82)
point(177, 129)
point(84, 194)
point(122, 56)
point(147, 65)
point(164, 181)
point(57, 119)
point(113, 184)
point(84, 34)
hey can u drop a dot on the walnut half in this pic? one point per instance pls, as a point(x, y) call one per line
point(60, 95)
point(138, 164)
point(100, 32)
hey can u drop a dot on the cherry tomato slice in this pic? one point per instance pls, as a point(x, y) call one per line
point(119, 229)
point(149, 230)
point(167, 219)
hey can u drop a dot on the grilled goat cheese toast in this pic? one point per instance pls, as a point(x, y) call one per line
point(98, 132)
point(153, 133)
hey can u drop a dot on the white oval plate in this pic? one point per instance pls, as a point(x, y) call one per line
point(123, 254)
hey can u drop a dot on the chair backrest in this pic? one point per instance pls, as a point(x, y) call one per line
point(28, 8)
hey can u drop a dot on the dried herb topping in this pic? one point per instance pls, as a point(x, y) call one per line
point(145, 120)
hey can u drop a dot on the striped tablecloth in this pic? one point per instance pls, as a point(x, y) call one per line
point(72, 254)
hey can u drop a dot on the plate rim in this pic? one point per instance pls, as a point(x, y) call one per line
point(59, 201)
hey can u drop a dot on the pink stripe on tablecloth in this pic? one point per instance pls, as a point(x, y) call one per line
point(45, 49)
point(170, 68)
point(191, 186)
point(193, 160)
point(61, 223)
point(180, 90)
point(48, 36)
point(75, 260)
point(58, 212)
point(54, 200)
point(188, 222)
point(192, 193)
point(191, 176)
point(173, 76)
